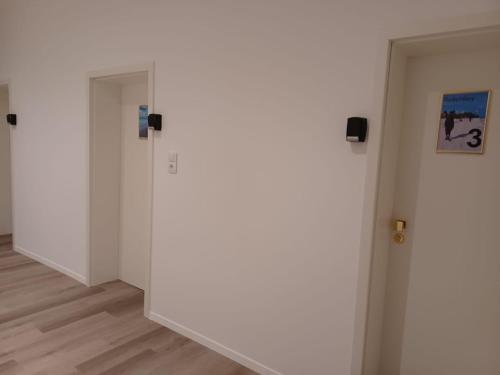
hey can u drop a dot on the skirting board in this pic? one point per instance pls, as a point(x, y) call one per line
point(214, 345)
point(51, 264)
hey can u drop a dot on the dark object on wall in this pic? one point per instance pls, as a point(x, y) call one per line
point(356, 129)
point(12, 119)
point(154, 121)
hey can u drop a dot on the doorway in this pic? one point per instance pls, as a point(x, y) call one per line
point(5, 169)
point(434, 306)
point(120, 175)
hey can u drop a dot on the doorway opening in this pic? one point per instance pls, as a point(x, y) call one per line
point(6, 220)
point(120, 176)
point(433, 298)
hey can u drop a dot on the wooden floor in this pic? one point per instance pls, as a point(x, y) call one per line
point(50, 324)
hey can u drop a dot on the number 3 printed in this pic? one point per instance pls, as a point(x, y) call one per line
point(476, 137)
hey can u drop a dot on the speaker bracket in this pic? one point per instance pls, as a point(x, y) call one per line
point(154, 121)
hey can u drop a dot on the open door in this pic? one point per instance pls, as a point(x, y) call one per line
point(121, 146)
point(6, 222)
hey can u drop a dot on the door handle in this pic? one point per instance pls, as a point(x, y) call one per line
point(399, 228)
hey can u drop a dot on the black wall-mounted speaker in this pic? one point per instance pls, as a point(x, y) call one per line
point(356, 129)
point(154, 121)
point(12, 119)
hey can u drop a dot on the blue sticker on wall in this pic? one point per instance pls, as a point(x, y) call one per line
point(143, 121)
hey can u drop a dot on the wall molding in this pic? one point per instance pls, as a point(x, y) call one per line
point(214, 345)
point(51, 264)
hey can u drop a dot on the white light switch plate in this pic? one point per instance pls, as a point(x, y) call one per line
point(172, 156)
point(172, 162)
point(172, 167)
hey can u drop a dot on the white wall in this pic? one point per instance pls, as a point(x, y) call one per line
point(256, 239)
point(5, 179)
point(133, 194)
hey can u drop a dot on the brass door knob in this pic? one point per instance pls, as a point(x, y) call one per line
point(399, 231)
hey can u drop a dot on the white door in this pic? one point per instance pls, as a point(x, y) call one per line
point(5, 174)
point(446, 276)
point(134, 188)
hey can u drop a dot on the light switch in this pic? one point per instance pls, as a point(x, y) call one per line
point(172, 156)
point(172, 162)
point(172, 167)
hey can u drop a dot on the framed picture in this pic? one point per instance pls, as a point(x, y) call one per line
point(143, 121)
point(462, 125)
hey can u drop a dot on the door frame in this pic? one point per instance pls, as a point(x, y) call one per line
point(90, 77)
point(6, 82)
point(368, 238)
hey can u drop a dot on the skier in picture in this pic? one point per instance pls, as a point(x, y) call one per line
point(449, 124)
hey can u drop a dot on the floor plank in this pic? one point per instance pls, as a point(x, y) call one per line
point(51, 324)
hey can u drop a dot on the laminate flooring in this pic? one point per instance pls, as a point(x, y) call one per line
point(51, 324)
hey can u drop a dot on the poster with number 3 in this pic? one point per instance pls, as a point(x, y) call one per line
point(462, 125)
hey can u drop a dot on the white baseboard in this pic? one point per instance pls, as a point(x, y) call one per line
point(51, 264)
point(214, 345)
